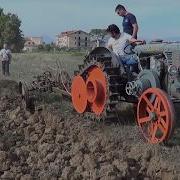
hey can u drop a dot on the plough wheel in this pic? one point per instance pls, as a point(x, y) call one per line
point(78, 93)
point(155, 115)
point(29, 101)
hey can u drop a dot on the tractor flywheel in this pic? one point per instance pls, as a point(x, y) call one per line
point(78, 93)
point(96, 86)
point(155, 115)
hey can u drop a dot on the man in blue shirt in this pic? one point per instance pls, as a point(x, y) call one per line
point(129, 24)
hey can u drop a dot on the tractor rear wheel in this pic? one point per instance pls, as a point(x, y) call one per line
point(104, 87)
point(96, 87)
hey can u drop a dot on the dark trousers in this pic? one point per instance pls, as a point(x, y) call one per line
point(5, 68)
point(130, 68)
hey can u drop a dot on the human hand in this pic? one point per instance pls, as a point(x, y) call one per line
point(143, 42)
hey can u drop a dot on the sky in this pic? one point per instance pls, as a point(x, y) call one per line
point(156, 18)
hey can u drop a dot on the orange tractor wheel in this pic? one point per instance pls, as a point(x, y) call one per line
point(78, 93)
point(155, 115)
point(96, 87)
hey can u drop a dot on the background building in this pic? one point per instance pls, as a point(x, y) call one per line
point(73, 39)
point(32, 43)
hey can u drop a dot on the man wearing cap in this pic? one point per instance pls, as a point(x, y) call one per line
point(129, 24)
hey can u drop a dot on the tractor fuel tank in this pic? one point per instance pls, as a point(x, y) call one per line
point(157, 48)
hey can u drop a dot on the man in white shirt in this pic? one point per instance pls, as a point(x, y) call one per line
point(5, 55)
point(118, 42)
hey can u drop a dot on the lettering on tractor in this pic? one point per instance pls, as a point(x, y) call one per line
point(101, 82)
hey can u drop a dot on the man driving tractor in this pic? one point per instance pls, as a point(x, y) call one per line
point(118, 42)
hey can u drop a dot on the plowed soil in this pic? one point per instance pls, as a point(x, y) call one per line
point(57, 143)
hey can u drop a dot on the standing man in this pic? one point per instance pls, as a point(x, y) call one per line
point(5, 55)
point(129, 24)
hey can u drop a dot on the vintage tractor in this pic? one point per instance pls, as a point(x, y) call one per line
point(102, 82)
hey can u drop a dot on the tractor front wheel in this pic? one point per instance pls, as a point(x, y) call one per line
point(155, 115)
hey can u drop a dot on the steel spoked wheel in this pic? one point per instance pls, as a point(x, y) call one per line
point(155, 115)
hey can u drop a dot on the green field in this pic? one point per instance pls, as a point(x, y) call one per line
point(25, 66)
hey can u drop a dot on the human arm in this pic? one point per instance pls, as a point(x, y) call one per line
point(9, 55)
point(109, 47)
point(134, 23)
point(131, 39)
point(137, 42)
point(1, 54)
point(109, 44)
point(135, 30)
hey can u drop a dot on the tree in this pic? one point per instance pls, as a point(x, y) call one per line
point(47, 47)
point(10, 31)
point(41, 47)
point(98, 32)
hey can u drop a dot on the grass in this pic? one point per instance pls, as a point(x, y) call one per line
point(25, 66)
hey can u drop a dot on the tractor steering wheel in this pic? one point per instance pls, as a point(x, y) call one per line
point(130, 47)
